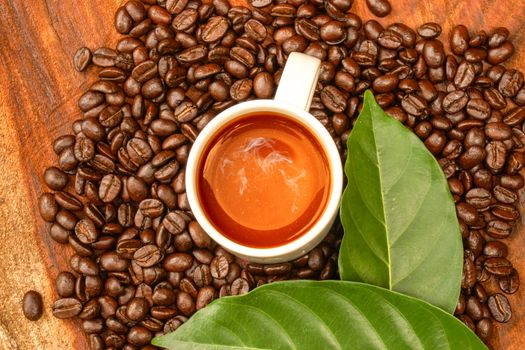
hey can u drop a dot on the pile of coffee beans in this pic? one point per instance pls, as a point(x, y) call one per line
point(143, 265)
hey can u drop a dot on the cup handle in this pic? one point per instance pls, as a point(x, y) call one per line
point(298, 80)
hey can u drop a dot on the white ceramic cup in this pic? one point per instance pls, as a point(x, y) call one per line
point(293, 98)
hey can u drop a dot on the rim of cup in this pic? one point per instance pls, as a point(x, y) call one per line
point(317, 232)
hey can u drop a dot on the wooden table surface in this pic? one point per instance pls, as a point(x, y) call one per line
point(39, 89)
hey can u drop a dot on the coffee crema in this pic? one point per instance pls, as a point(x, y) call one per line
point(264, 180)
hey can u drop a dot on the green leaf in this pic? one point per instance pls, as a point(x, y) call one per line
point(321, 315)
point(399, 218)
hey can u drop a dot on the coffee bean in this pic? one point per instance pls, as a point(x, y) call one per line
point(459, 39)
point(147, 255)
point(219, 267)
point(205, 296)
point(501, 53)
point(468, 279)
point(185, 304)
point(429, 30)
point(333, 99)
point(277, 269)
point(498, 266)
point(263, 85)
point(241, 89)
point(32, 305)
point(478, 108)
point(380, 8)
point(473, 308)
point(495, 249)
point(499, 307)
point(510, 83)
point(504, 195)
point(214, 29)
point(496, 155)
point(174, 222)
point(109, 189)
point(139, 151)
point(479, 198)
point(139, 336)
point(471, 157)
point(137, 309)
point(66, 308)
point(509, 284)
point(467, 213)
point(198, 235)
point(86, 231)
point(498, 229)
point(47, 207)
point(65, 284)
point(82, 59)
point(202, 276)
point(104, 57)
point(177, 262)
point(239, 287)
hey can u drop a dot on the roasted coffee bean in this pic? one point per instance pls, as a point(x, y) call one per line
point(498, 229)
point(84, 149)
point(499, 307)
point(498, 266)
point(455, 101)
point(86, 231)
point(501, 53)
point(509, 284)
point(219, 267)
point(478, 109)
point(47, 207)
point(82, 59)
point(202, 276)
point(471, 157)
point(66, 308)
point(239, 287)
point(484, 328)
point(510, 83)
point(174, 222)
point(263, 85)
point(32, 305)
point(139, 336)
point(205, 296)
point(198, 235)
point(474, 308)
point(137, 309)
point(148, 255)
point(459, 39)
point(495, 249)
point(68, 201)
point(429, 30)
point(185, 304)
point(277, 269)
point(496, 155)
point(333, 99)
point(479, 198)
point(177, 262)
point(504, 195)
point(380, 8)
point(63, 142)
point(109, 188)
point(65, 284)
point(241, 89)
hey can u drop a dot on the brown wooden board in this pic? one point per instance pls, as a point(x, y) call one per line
point(39, 89)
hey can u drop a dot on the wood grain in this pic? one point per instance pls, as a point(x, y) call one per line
point(38, 93)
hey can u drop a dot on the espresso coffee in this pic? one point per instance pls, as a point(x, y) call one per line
point(264, 180)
